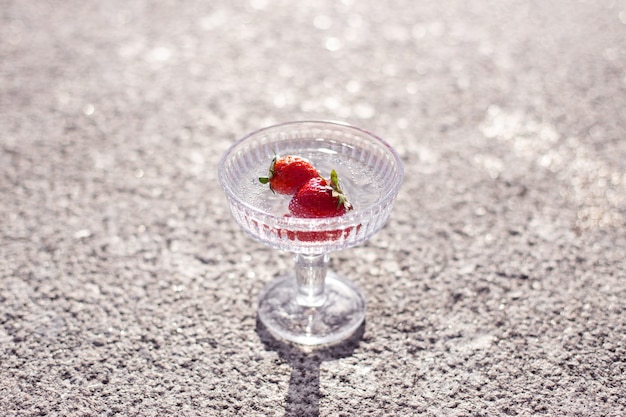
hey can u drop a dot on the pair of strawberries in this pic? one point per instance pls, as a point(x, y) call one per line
point(313, 195)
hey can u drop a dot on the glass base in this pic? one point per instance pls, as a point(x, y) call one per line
point(336, 319)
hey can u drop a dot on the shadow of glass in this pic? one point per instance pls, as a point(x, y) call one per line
point(303, 396)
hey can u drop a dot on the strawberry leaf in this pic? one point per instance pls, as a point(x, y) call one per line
point(337, 192)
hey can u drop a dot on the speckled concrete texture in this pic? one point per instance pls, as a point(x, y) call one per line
point(497, 288)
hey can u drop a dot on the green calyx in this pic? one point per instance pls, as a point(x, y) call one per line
point(337, 192)
point(266, 180)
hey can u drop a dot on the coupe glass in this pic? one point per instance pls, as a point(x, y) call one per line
point(313, 305)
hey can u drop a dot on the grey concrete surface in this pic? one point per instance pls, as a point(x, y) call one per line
point(496, 289)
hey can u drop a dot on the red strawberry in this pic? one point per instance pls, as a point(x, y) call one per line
point(288, 173)
point(320, 197)
point(318, 236)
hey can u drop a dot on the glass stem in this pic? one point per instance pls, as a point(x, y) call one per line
point(310, 276)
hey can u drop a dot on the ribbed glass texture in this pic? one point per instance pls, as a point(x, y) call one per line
point(359, 156)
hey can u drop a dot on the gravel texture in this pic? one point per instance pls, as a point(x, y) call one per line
point(497, 288)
